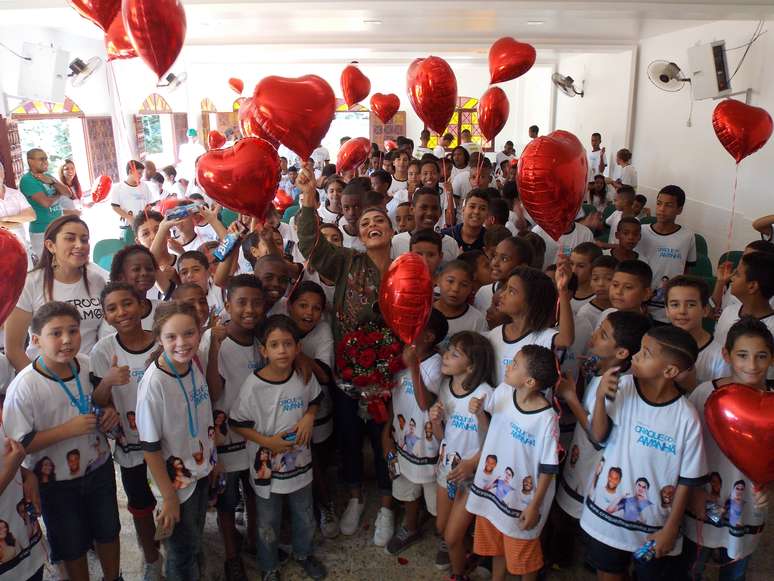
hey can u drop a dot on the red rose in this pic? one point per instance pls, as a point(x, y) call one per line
point(384, 352)
point(374, 336)
point(367, 358)
point(396, 365)
point(360, 381)
point(346, 375)
point(396, 348)
point(351, 352)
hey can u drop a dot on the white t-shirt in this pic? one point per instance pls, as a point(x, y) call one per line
point(321, 156)
point(37, 402)
point(128, 452)
point(26, 556)
point(175, 421)
point(461, 183)
point(484, 295)
point(612, 221)
point(154, 189)
point(502, 156)
point(188, 153)
point(352, 242)
point(318, 344)
point(582, 457)
point(471, 320)
point(86, 303)
point(591, 313)
point(519, 447)
point(594, 158)
point(577, 302)
point(566, 243)
point(667, 255)
point(419, 151)
point(661, 444)
point(741, 523)
point(130, 198)
point(506, 351)
point(471, 146)
point(7, 373)
point(439, 151)
point(627, 175)
point(216, 298)
point(414, 439)
point(236, 362)
point(12, 204)
point(401, 244)
point(462, 434)
point(710, 363)
point(270, 408)
point(731, 315)
point(396, 186)
point(326, 216)
point(398, 197)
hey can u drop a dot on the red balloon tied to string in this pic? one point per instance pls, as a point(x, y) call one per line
point(509, 59)
point(282, 201)
point(100, 12)
point(13, 272)
point(432, 91)
point(297, 112)
point(389, 145)
point(157, 31)
point(406, 296)
point(242, 177)
point(215, 139)
point(102, 190)
point(354, 84)
point(552, 180)
point(741, 419)
point(352, 154)
point(237, 85)
point(493, 110)
point(742, 129)
point(117, 43)
point(385, 106)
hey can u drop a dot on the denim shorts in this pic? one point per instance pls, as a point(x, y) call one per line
point(140, 499)
point(229, 498)
point(80, 512)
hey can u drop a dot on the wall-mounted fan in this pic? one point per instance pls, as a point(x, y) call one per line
point(566, 85)
point(667, 76)
point(174, 81)
point(80, 71)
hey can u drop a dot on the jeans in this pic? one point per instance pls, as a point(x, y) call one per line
point(185, 544)
point(269, 518)
point(350, 429)
point(696, 559)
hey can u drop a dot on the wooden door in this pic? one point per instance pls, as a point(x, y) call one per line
point(139, 135)
point(101, 147)
point(10, 151)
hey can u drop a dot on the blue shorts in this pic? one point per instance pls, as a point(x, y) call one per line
point(139, 496)
point(229, 498)
point(80, 512)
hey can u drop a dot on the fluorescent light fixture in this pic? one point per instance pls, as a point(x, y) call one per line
point(535, 22)
point(375, 21)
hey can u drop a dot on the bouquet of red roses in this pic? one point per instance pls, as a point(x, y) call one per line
point(367, 360)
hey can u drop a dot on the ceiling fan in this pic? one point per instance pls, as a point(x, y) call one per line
point(173, 81)
point(566, 84)
point(80, 71)
point(667, 76)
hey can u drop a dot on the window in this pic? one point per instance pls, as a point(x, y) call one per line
point(465, 117)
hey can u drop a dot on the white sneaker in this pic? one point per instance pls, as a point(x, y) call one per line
point(384, 529)
point(329, 522)
point(152, 571)
point(350, 520)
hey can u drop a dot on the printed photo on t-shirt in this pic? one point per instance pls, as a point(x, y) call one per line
point(178, 473)
point(74, 463)
point(220, 419)
point(213, 449)
point(101, 453)
point(26, 512)
point(734, 505)
point(45, 470)
point(262, 467)
point(199, 456)
point(488, 473)
point(131, 419)
point(400, 439)
point(631, 505)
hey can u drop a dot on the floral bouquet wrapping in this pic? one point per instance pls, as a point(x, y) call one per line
point(368, 359)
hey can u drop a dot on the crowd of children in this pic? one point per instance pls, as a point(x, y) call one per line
point(553, 401)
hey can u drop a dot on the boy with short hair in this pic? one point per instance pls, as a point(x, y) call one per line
point(416, 389)
point(630, 287)
point(581, 259)
point(380, 182)
point(667, 246)
point(576, 234)
point(404, 219)
point(426, 208)
point(624, 199)
point(455, 283)
point(628, 234)
point(687, 303)
point(193, 266)
point(129, 198)
point(351, 208)
point(400, 163)
point(427, 243)
point(469, 234)
point(652, 434)
point(589, 315)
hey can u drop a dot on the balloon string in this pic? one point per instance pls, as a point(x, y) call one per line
point(733, 211)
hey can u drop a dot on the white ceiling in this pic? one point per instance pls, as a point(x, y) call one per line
point(324, 30)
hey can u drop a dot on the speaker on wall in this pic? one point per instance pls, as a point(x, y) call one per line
point(44, 75)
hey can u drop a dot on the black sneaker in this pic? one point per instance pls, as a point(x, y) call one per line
point(442, 561)
point(313, 567)
point(234, 570)
point(401, 541)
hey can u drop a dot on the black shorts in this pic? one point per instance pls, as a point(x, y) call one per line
point(80, 512)
point(229, 498)
point(140, 499)
point(611, 560)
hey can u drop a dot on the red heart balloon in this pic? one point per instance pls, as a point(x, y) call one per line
point(13, 272)
point(389, 145)
point(741, 419)
point(157, 31)
point(102, 190)
point(117, 43)
point(296, 112)
point(385, 106)
point(406, 296)
point(100, 12)
point(237, 85)
point(432, 90)
point(742, 129)
point(215, 139)
point(493, 109)
point(509, 59)
point(552, 180)
point(353, 153)
point(282, 201)
point(354, 84)
point(250, 126)
point(242, 177)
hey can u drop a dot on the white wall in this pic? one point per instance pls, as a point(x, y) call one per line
point(604, 108)
point(667, 151)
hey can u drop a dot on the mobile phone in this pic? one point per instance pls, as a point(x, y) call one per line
point(289, 245)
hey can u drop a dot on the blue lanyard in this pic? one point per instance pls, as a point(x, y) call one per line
point(83, 403)
point(193, 429)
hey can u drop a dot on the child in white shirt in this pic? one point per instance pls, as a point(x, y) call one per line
point(467, 368)
point(413, 440)
point(455, 282)
point(275, 413)
point(514, 483)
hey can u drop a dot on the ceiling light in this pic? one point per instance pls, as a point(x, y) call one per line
point(375, 21)
point(535, 22)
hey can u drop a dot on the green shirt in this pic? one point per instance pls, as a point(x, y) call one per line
point(29, 186)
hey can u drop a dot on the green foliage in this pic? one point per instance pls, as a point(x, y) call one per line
point(50, 135)
point(151, 128)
